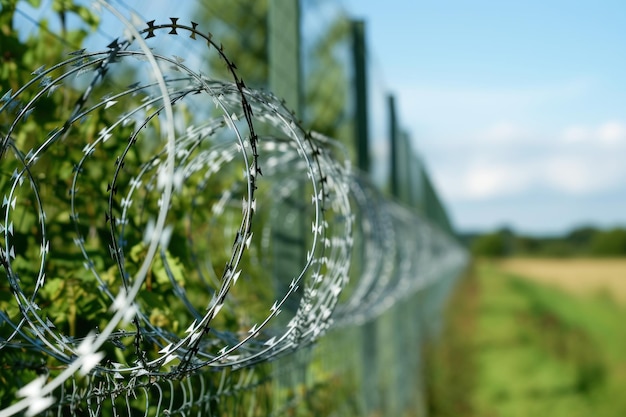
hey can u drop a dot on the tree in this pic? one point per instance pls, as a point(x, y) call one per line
point(241, 27)
point(327, 86)
point(580, 238)
point(490, 245)
point(609, 243)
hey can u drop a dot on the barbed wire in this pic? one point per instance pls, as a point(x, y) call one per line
point(181, 176)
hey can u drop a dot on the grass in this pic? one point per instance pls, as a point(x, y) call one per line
point(450, 365)
point(518, 347)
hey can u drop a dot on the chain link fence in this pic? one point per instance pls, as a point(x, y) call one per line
point(174, 240)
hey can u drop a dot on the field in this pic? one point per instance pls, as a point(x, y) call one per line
point(585, 277)
point(533, 337)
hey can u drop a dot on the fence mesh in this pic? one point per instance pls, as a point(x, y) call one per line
point(147, 195)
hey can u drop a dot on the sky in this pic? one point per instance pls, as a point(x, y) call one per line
point(517, 108)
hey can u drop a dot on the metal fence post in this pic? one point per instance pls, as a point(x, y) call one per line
point(417, 190)
point(393, 149)
point(288, 237)
point(404, 166)
point(361, 128)
point(370, 354)
point(284, 52)
point(289, 240)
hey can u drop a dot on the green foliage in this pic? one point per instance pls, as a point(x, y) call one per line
point(327, 87)
point(64, 6)
point(19, 59)
point(609, 243)
point(241, 27)
point(72, 299)
point(492, 244)
point(581, 237)
point(583, 241)
point(70, 296)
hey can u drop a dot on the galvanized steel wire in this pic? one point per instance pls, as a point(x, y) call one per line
point(205, 164)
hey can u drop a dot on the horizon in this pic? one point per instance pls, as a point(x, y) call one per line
point(539, 235)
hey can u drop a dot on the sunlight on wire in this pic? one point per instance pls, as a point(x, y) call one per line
point(152, 201)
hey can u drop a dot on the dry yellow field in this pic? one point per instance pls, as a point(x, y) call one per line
point(583, 276)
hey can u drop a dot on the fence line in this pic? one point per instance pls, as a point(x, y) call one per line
point(139, 224)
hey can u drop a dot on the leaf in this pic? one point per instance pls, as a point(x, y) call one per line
point(83, 12)
point(53, 288)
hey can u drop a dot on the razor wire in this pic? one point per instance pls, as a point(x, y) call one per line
point(194, 172)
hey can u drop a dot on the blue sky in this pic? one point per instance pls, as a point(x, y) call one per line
point(518, 108)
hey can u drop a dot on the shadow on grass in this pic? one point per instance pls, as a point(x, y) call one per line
point(474, 368)
point(449, 367)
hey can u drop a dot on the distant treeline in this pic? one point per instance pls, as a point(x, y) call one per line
point(583, 241)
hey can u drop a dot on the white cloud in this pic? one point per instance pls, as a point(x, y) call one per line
point(576, 134)
point(506, 160)
point(610, 134)
point(503, 133)
point(579, 175)
point(484, 180)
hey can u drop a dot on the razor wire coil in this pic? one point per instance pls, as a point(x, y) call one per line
point(205, 164)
